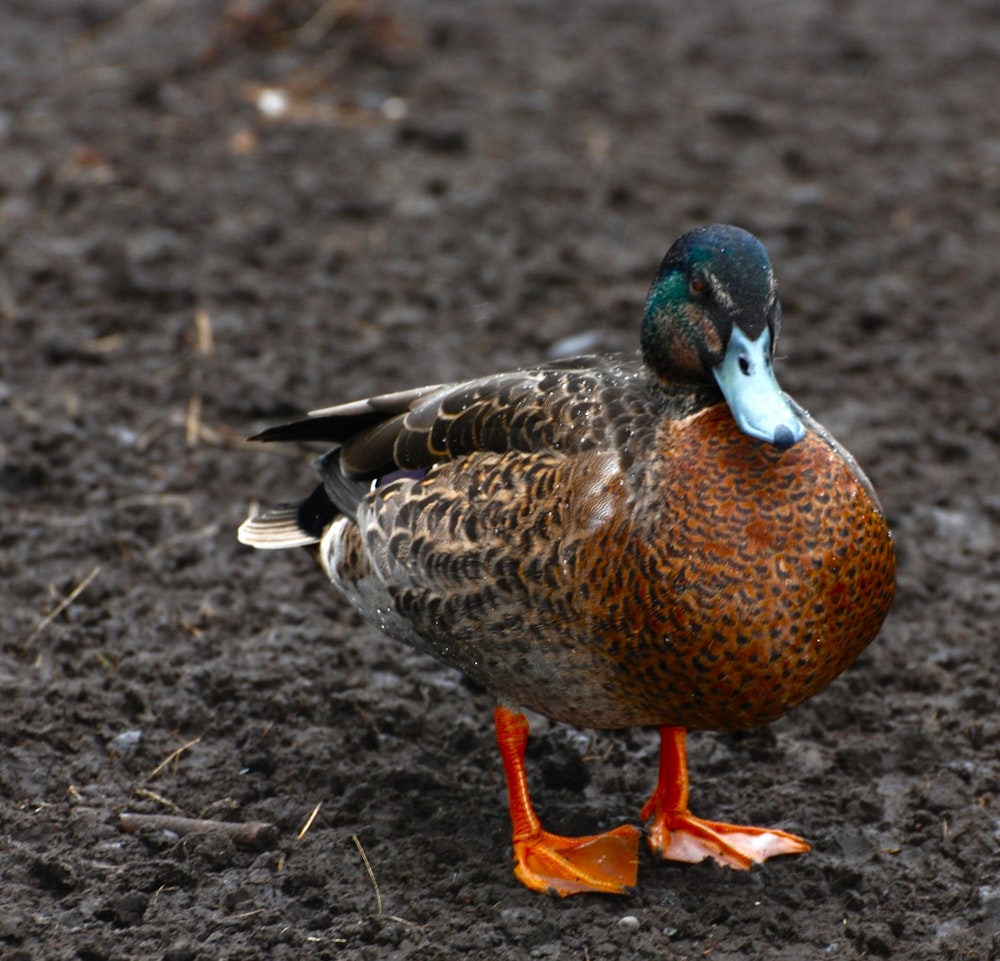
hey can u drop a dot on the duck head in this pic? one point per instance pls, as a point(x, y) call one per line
point(713, 315)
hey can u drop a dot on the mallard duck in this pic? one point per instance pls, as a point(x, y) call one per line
point(662, 539)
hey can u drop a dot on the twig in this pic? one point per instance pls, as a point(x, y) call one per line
point(172, 756)
point(254, 834)
point(60, 607)
point(371, 873)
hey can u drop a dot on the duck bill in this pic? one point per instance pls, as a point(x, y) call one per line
point(758, 404)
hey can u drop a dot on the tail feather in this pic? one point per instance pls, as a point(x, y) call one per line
point(275, 529)
point(290, 525)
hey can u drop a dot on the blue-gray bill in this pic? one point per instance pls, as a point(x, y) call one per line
point(759, 406)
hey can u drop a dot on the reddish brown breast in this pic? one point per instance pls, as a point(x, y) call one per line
point(750, 581)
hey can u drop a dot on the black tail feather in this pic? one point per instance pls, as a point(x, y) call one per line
point(316, 512)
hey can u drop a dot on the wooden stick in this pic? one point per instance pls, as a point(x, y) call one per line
point(254, 834)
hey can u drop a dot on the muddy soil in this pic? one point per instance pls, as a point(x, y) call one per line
point(216, 215)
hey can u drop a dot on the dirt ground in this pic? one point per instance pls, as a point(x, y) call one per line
point(216, 215)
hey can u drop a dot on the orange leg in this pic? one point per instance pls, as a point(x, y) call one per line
point(605, 863)
point(677, 835)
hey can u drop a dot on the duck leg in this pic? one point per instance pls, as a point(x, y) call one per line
point(605, 863)
point(677, 835)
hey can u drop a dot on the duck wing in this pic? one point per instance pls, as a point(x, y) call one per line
point(563, 407)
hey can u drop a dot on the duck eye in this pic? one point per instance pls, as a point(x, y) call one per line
point(697, 288)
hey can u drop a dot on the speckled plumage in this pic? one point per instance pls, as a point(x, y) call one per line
point(612, 541)
point(592, 576)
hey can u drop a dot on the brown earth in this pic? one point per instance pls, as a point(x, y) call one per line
point(438, 190)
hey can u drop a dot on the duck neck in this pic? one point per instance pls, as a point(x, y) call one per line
point(682, 399)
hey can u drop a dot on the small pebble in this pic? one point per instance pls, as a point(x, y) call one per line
point(272, 102)
point(126, 742)
point(630, 922)
point(527, 916)
point(394, 108)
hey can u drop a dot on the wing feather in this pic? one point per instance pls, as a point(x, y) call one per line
point(558, 408)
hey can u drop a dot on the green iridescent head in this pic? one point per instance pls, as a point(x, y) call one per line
point(713, 315)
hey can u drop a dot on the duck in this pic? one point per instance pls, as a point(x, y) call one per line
point(661, 538)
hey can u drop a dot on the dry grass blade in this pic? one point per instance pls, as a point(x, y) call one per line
point(158, 798)
point(323, 21)
point(205, 341)
point(184, 537)
point(192, 422)
point(371, 873)
point(172, 756)
point(309, 822)
point(60, 607)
